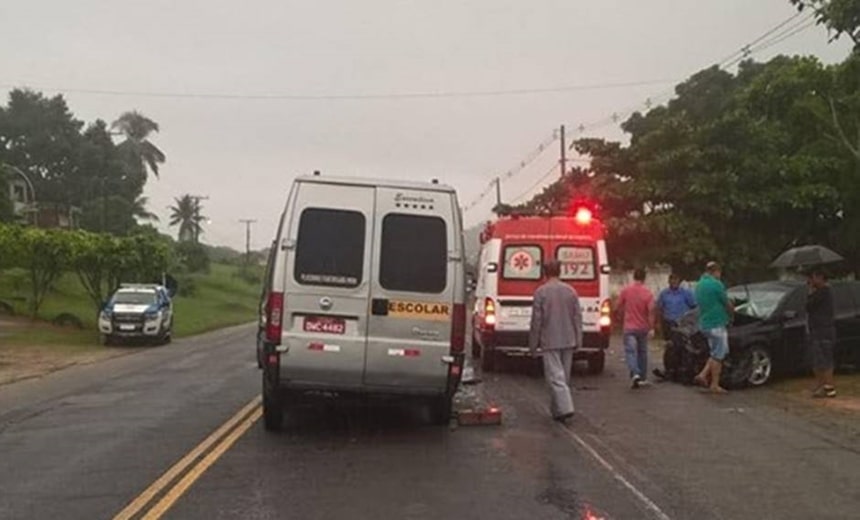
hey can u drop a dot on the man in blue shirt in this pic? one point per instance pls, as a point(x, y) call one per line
point(673, 303)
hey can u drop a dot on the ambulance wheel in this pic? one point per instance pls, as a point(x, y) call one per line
point(488, 360)
point(273, 406)
point(596, 363)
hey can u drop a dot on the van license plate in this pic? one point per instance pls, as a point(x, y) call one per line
point(325, 325)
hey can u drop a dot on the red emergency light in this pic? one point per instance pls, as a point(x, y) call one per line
point(582, 210)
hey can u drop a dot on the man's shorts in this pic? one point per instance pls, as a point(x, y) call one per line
point(718, 341)
point(821, 349)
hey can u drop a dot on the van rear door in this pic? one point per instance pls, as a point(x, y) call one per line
point(327, 285)
point(417, 261)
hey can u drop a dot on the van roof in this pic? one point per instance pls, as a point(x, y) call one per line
point(385, 183)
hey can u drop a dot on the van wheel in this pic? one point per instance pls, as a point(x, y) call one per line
point(596, 363)
point(440, 410)
point(488, 360)
point(273, 406)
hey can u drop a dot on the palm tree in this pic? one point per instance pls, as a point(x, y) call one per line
point(139, 211)
point(137, 149)
point(186, 214)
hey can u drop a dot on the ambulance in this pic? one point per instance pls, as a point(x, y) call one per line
point(513, 250)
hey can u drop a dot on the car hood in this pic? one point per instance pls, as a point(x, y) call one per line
point(742, 325)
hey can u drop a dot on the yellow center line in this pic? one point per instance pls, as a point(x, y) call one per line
point(156, 487)
point(198, 470)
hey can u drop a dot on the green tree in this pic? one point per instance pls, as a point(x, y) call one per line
point(45, 253)
point(10, 246)
point(93, 258)
point(41, 137)
point(138, 152)
point(7, 213)
point(193, 256)
point(186, 214)
point(842, 17)
point(735, 167)
point(140, 212)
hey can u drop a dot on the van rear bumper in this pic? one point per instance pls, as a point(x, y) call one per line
point(323, 390)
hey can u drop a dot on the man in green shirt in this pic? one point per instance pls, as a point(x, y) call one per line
point(714, 315)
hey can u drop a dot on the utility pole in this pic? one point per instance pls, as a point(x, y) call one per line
point(498, 192)
point(247, 222)
point(563, 160)
point(197, 199)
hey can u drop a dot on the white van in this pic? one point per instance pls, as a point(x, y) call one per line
point(365, 294)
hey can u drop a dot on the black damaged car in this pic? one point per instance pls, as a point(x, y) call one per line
point(768, 335)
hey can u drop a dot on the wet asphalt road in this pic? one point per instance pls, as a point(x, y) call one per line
point(86, 441)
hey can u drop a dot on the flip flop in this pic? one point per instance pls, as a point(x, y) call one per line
point(700, 381)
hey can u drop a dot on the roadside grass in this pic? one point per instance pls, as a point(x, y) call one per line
point(221, 299)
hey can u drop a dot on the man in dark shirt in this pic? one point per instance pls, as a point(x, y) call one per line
point(822, 332)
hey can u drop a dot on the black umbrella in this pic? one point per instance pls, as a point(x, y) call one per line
point(805, 256)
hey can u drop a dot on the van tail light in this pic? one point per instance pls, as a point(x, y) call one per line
point(605, 314)
point(489, 312)
point(458, 329)
point(274, 317)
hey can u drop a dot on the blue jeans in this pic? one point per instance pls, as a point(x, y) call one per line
point(636, 352)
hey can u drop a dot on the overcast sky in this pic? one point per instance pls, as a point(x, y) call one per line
point(244, 153)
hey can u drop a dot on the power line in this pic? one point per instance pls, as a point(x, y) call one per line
point(786, 29)
point(744, 50)
point(346, 97)
point(528, 159)
point(546, 176)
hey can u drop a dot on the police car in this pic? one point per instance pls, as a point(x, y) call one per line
point(137, 311)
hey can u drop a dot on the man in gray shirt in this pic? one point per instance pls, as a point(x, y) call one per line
point(556, 329)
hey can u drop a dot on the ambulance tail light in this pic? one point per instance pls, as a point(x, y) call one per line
point(274, 317)
point(458, 329)
point(489, 312)
point(605, 314)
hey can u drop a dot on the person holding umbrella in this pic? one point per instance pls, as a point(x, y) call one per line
point(822, 332)
point(821, 329)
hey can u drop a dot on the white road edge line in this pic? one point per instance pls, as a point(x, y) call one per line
point(642, 497)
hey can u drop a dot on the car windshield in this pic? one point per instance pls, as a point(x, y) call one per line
point(134, 298)
point(757, 301)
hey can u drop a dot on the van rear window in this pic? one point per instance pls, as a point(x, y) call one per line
point(330, 248)
point(577, 262)
point(522, 262)
point(414, 254)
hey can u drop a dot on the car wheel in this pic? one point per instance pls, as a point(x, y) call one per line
point(596, 363)
point(273, 406)
point(106, 340)
point(760, 366)
point(488, 360)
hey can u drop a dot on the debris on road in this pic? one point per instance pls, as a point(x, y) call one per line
point(490, 416)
